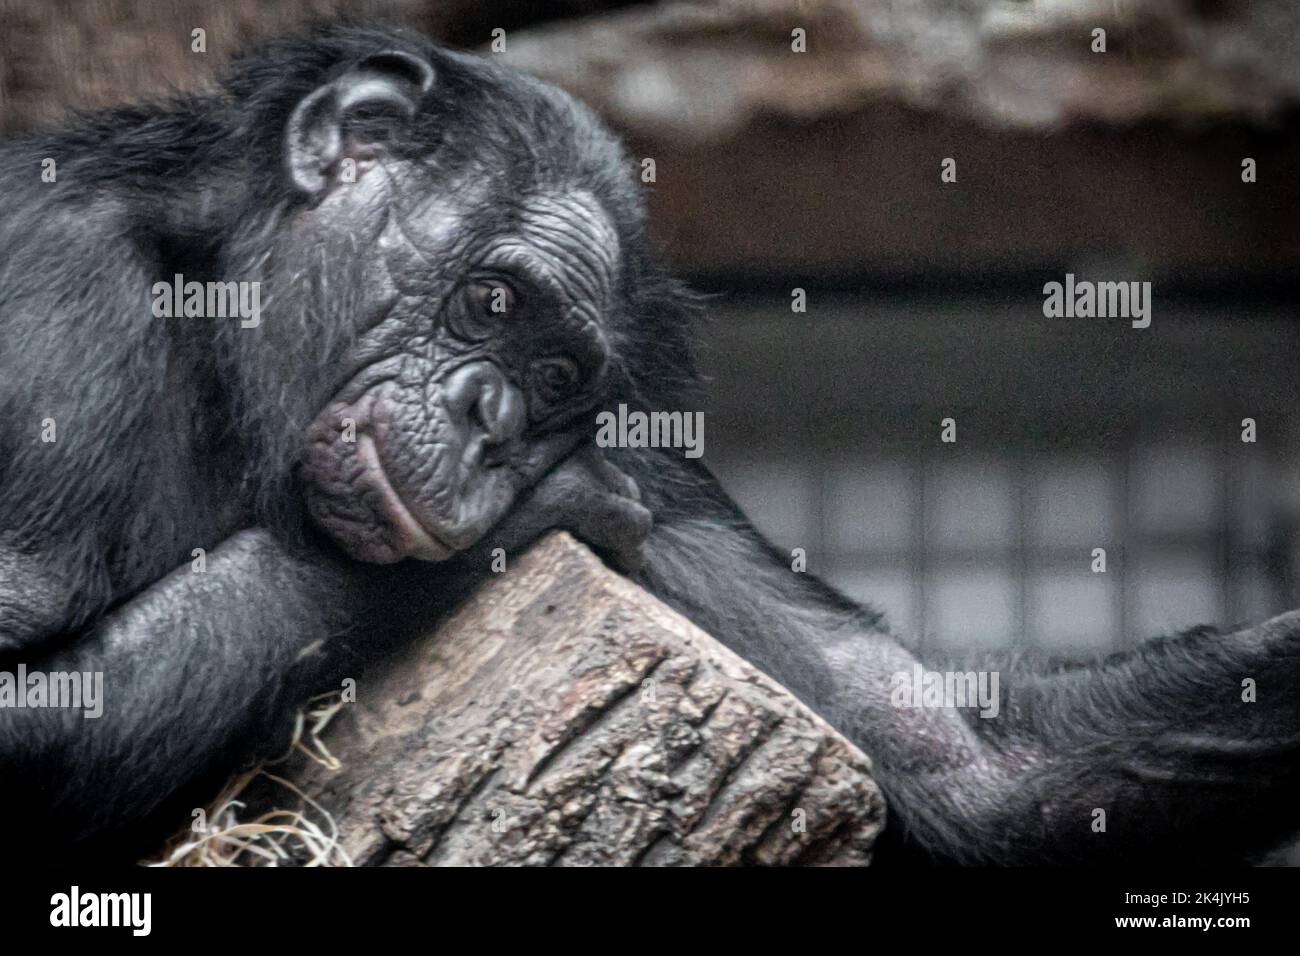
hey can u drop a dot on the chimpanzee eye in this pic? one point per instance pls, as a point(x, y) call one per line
point(484, 304)
point(493, 298)
point(555, 379)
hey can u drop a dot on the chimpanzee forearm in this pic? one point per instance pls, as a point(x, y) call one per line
point(190, 668)
point(180, 684)
point(1159, 738)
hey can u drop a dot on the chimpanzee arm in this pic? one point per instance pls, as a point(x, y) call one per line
point(1159, 738)
point(190, 668)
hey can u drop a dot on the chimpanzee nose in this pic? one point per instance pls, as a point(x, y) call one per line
point(481, 397)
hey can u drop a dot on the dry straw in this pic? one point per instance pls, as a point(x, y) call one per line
point(307, 836)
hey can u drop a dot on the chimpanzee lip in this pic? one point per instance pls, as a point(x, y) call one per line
point(421, 542)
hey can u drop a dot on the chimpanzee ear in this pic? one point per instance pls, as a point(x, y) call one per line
point(353, 118)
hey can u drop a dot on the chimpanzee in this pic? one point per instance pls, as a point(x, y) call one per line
point(453, 276)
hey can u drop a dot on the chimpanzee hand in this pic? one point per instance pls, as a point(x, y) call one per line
point(587, 496)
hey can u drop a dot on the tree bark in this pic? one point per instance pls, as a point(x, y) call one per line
point(564, 716)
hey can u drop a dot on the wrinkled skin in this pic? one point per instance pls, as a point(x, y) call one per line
point(481, 341)
point(453, 418)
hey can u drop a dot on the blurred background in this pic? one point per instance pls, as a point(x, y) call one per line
point(777, 170)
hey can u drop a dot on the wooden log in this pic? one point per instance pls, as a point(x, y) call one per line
point(564, 716)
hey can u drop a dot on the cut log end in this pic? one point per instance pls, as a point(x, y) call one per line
point(564, 716)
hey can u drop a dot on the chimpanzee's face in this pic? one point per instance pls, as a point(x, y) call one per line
point(487, 348)
point(459, 236)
